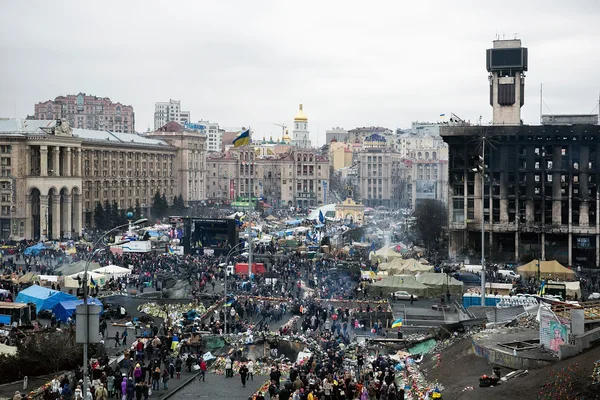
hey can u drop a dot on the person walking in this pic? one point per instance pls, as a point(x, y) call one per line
point(178, 364)
point(155, 379)
point(165, 379)
point(243, 374)
point(251, 370)
point(228, 369)
point(203, 369)
point(124, 336)
point(117, 339)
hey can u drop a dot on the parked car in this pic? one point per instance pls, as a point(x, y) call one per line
point(508, 274)
point(403, 295)
point(468, 279)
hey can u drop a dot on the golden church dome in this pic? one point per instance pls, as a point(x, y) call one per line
point(286, 138)
point(300, 117)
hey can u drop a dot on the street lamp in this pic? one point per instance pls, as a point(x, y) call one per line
point(233, 250)
point(86, 332)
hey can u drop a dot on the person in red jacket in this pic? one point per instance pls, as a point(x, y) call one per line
point(202, 370)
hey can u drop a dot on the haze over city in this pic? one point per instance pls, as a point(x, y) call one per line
point(250, 63)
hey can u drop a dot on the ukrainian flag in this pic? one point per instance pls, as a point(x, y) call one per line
point(171, 251)
point(243, 139)
point(397, 323)
point(92, 282)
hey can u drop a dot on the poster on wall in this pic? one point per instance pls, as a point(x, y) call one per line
point(426, 189)
point(553, 332)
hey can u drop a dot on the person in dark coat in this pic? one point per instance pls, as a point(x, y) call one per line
point(243, 374)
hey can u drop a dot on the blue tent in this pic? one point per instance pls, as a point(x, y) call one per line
point(34, 250)
point(65, 309)
point(43, 298)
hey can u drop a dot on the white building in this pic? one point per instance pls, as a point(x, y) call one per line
point(165, 112)
point(301, 135)
point(339, 134)
point(214, 135)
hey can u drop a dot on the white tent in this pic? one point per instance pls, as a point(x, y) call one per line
point(113, 271)
point(71, 281)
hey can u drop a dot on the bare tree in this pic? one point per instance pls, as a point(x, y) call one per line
point(431, 218)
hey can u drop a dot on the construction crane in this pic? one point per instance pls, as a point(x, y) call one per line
point(283, 126)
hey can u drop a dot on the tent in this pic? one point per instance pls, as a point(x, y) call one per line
point(43, 298)
point(34, 250)
point(440, 283)
point(65, 309)
point(399, 266)
point(73, 268)
point(391, 284)
point(548, 269)
point(384, 254)
point(71, 281)
point(113, 271)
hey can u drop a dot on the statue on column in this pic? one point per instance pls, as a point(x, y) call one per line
point(63, 127)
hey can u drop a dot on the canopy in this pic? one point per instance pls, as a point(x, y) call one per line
point(73, 268)
point(43, 298)
point(113, 271)
point(401, 266)
point(34, 250)
point(391, 284)
point(293, 222)
point(65, 309)
point(440, 283)
point(385, 254)
point(548, 269)
point(71, 281)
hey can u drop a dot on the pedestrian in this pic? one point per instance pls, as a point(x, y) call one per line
point(117, 339)
point(228, 369)
point(178, 364)
point(171, 369)
point(251, 370)
point(155, 378)
point(412, 299)
point(243, 374)
point(165, 379)
point(124, 336)
point(203, 369)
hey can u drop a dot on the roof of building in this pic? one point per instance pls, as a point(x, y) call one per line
point(35, 127)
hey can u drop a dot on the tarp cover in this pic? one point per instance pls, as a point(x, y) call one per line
point(34, 250)
point(440, 283)
point(113, 271)
point(385, 254)
point(399, 266)
point(548, 269)
point(65, 309)
point(73, 268)
point(400, 282)
point(43, 298)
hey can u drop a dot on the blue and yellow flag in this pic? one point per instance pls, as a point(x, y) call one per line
point(92, 282)
point(397, 323)
point(243, 139)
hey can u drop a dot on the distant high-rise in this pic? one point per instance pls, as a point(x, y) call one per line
point(169, 111)
point(88, 112)
point(507, 63)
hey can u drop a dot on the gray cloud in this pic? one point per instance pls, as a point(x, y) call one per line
point(246, 63)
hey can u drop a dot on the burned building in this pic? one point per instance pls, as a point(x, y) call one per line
point(540, 183)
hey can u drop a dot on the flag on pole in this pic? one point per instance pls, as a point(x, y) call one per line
point(397, 323)
point(242, 139)
point(92, 282)
point(321, 217)
point(229, 303)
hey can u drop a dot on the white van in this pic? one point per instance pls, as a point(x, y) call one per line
point(509, 274)
point(472, 268)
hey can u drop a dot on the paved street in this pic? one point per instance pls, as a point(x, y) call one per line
point(219, 387)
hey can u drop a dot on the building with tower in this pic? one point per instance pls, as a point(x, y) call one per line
point(507, 62)
point(539, 196)
point(301, 135)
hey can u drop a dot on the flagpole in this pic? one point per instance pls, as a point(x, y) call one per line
point(250, 192)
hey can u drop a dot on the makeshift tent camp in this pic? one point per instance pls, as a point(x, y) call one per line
point(548, 269)
point(385, 254)
point(391, 284)
point(113, 271)
point(43, 298)
point(440, 283)
point(65, 309)
point(399, 266)
point(71, 281)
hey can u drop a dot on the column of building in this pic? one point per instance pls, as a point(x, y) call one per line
point(43, 160)
point(56, 161)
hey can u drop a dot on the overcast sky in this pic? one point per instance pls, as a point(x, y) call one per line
point(351, 63)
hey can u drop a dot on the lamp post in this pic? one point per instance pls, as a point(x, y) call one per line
point(93, 251)
point(231, 252)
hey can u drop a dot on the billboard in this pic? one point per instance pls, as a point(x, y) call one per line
point(426, 189)
point(553, 332)
point(217, 236)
